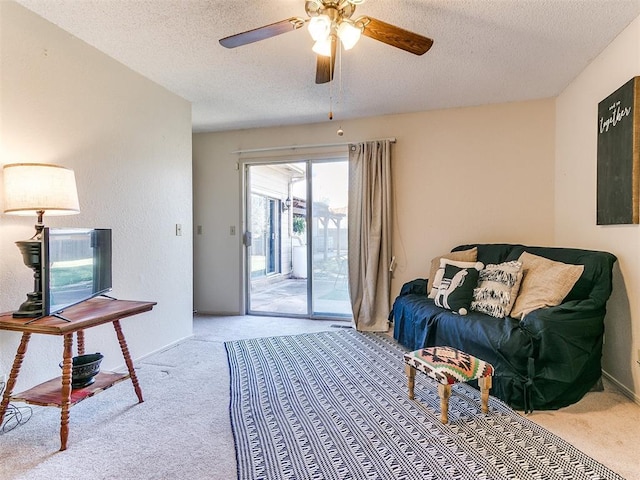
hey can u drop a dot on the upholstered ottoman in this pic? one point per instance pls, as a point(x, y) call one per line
point(447, 366)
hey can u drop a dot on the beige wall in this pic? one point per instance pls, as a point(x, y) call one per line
point(482, 174)
point(129, 142)
point(575, 213)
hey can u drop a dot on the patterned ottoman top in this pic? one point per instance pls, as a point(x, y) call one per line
point(448, 365)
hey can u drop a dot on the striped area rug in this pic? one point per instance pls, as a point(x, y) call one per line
point(333, 405)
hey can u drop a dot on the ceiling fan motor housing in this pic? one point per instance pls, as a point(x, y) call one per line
point(335, 10)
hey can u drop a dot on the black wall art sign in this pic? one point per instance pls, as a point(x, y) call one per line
point(618, 181)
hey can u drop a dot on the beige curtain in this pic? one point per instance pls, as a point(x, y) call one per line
point(369, 222)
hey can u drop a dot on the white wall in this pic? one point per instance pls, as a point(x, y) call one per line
point(129, 142)
point(482, 174)
point(575, 216)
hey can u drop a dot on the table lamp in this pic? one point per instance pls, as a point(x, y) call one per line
point(33, 189)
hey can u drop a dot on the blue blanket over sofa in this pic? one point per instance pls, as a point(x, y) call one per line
point(548, 360)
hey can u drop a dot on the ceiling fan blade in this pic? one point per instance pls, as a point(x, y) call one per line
point(262, 33)
point(395, 36)
point(325, 66)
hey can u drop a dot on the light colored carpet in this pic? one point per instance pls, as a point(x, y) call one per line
point(182, 430)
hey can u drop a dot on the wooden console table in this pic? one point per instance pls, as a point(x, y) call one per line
point(58, 392)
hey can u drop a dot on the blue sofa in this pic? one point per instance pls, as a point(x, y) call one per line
point(548, 360)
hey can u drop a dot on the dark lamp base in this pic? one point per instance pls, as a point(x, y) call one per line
point(31, 307)
point(32, 256)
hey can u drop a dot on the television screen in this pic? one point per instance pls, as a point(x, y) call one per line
point(76, 266)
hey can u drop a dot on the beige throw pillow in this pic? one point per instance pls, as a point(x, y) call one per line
point(545, 283)
point(470, 255)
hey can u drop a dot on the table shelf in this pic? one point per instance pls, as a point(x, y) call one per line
point(49, 393)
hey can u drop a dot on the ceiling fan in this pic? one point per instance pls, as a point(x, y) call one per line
point(330, 20)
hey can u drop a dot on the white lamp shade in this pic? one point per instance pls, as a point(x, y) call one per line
point(33, 187)
point(323, 47)
point(349, 34)
point(320, 27)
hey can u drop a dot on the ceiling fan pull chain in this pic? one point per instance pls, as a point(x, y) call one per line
point(330, 100)
point(331, 72)
point(340, 98)
point(339, 75)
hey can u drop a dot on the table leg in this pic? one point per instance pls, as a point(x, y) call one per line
point(65, 394)
point(127, 360)
point(13, 376)
point(80, 341)
point(444, 391)
point(411, 379)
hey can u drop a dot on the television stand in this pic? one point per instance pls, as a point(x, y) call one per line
point(57, 392)
point(61, 317)
point(57, 315)
point(102, 295)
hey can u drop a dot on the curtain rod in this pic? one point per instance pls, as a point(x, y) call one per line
point(299, 147)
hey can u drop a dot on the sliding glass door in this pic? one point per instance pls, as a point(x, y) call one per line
point(296, 240)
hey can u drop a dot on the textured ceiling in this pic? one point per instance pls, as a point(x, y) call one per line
point(485, 51)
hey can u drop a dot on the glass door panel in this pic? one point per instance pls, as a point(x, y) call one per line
point(276, 278)
point(264, 248)
point(330, 287)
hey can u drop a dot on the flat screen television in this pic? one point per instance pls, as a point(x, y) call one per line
point(76, 266)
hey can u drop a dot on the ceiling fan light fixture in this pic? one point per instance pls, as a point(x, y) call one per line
point(323, 47)
point(320, 27)
point(349, 33)
point(356, 2)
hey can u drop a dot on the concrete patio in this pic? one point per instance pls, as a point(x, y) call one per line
point(289, 297)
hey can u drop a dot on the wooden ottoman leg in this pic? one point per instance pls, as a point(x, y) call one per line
point(485, 385)
point(411, 377)
point(445, 392)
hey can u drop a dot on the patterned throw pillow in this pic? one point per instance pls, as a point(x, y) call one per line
point(470, 255)
point(439, 273)
point(455, 291)
point(497, 289)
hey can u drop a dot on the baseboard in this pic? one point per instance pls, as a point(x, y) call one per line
point(624, 390)
point(198, 313)
point(122, 368)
